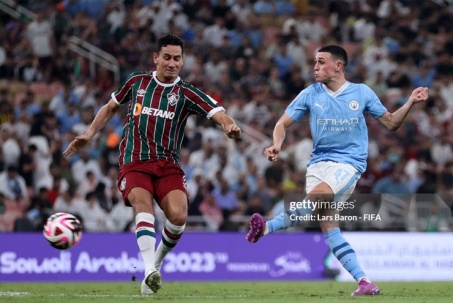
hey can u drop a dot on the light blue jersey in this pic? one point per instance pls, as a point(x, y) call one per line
point(337, 121)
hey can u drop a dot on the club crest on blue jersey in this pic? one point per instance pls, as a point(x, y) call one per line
point(354, 105)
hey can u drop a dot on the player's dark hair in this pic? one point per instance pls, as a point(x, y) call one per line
point(337, 51)
point(169, 40)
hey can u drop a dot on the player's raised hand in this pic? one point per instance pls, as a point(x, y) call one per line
point(419, 94)
point(271, 153)
point(77, 144)
point(233, 131)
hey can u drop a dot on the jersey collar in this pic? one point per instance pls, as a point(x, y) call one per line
point(165, 84)
point(339, 91)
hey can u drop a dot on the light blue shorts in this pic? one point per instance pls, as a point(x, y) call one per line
point(342, 178)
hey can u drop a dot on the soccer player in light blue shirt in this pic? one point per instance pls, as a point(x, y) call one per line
point(336, 110)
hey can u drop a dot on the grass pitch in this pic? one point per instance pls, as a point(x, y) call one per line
point(237, 292)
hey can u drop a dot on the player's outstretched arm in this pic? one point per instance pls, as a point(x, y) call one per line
point(228, 125)
point(104, 115)
point(393, 121)
point(279, 135)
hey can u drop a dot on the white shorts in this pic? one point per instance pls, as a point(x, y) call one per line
point(342, 178)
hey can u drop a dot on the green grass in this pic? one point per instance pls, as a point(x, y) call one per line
point(237, 292)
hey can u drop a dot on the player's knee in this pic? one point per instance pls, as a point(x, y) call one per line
point(177, 214)
point(140, 200)
point(175, 207)
point(177, 217)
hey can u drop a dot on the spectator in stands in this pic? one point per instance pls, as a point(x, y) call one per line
point(13, 186)
point(255, 205)
point(104, 80)
point(60, 20)
point(242, 9)
point(28, 69)
point(128, 55)
point(40, 209)
point(87, 184)
point(194, 184)
point(206, 160)
point(441, 150)
point(67, 202)
point(27, 165)
point(28, 106)
point(6, 106)
point(264, 7)
point(87, 116)
point(395, 183)
point(211, 212)
point(95, 219)
point(24, 223)
point(109, 149)
point(65, 96)
point(188, 169)
point(2, 203)
point(121, 215)
point(40, 33)
point(226, 199)
point(9, 147)
point(435, 219)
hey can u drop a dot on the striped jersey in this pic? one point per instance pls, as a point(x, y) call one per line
point(157, 115)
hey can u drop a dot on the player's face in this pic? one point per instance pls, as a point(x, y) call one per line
point(325, 67)
point(168, 63)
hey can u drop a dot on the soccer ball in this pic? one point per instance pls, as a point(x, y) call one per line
point(62, 230)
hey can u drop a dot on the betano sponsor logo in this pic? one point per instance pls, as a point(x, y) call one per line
point(144, 110)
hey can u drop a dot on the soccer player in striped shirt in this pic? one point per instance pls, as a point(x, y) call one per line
point(159, 104)
point(336, 109)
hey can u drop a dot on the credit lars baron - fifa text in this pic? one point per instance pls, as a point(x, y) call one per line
point(303, 211)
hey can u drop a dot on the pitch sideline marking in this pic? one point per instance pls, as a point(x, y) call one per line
point(29, 294)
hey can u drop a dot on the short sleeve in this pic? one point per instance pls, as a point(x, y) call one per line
point(298, 107)
point(122, 94)
point(374, 105)
point(201, 103)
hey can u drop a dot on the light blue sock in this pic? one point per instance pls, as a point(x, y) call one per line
point(282, 221)
point(344, 253)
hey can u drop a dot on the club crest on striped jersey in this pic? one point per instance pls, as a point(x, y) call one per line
point(172, 98)
point(123, 184)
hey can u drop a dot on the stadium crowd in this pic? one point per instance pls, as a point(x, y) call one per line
point(253, 57)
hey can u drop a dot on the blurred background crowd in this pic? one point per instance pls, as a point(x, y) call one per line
point(254, 57)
